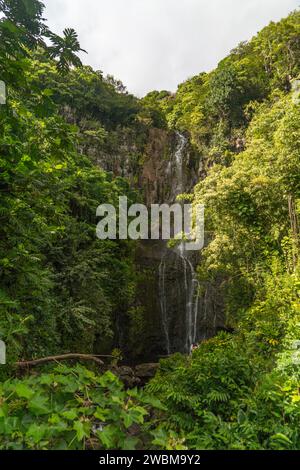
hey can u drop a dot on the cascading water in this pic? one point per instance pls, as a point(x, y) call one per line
point(163, 304)
point(179, 164)
point(188, 278)
point(192, 298)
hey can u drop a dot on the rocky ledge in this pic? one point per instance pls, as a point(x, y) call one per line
point(137, 375)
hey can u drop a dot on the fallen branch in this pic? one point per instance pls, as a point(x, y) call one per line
point(62, 357)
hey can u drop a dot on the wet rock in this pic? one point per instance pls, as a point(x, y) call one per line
point(124, 371)
point(127, 376)
point(147, 370)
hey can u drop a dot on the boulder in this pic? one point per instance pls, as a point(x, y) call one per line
point(147, 370)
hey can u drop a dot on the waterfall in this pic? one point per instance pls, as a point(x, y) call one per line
point(179, 163)
point(163, 303)
point(189, 278)
point(192, 298)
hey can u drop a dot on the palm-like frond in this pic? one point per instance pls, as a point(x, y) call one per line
point(65, 49)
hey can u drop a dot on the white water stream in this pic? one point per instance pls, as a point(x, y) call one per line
point(189, 276)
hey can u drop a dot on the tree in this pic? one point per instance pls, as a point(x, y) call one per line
point(23, 29)
point(65, 49)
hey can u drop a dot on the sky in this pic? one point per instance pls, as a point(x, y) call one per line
point(157, 44)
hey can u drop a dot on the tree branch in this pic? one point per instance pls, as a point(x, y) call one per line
point(62, 357)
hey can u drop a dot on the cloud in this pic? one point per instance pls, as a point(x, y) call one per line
point(156, 44)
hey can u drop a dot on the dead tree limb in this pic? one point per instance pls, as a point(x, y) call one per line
point(62, 357)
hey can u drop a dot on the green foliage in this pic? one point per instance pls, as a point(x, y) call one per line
point(22, 29)
point(73, 408)
point(241, 391)
point(238, 392)
point(65, 48)
point(53, 268)
point(247, 206)
point(85, 94)
point(61, 289)
point(215, 108)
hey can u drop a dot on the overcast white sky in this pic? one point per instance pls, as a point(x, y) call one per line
point(156, 44)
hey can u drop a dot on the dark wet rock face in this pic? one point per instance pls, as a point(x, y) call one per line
point(177, 311)
point(169, 312)
point(162, 177)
